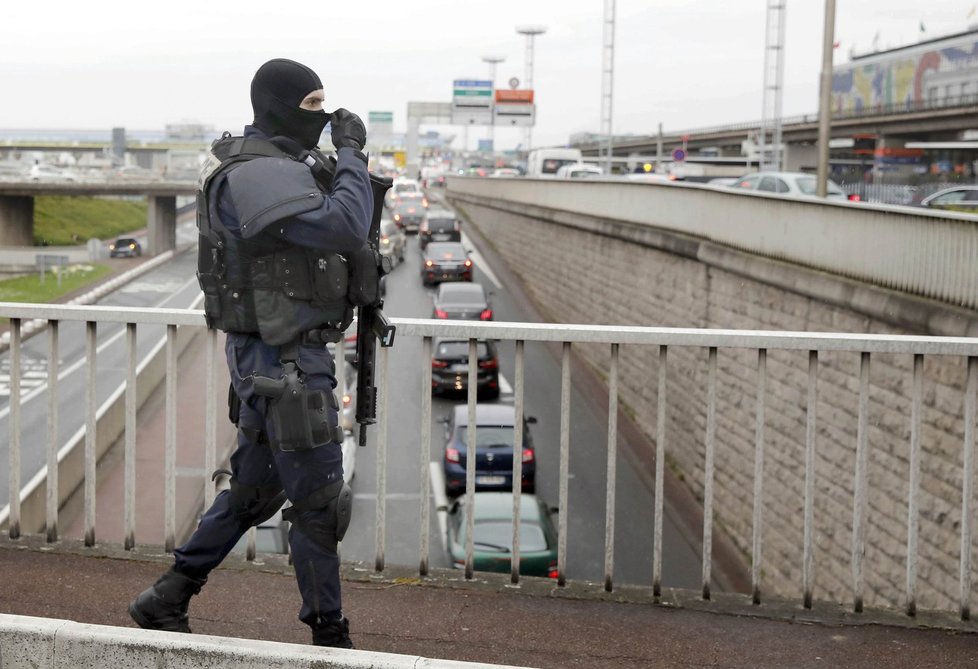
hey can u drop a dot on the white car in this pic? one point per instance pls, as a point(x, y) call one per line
point(798, 184)
point(579, 171)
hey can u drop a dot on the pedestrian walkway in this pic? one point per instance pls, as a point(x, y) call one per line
point(487, 620)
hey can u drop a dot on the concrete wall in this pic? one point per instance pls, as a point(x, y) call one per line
point(582, 269)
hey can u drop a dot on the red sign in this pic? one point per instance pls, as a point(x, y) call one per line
point(503, 95)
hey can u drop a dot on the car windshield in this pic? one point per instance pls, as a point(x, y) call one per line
point(808, 186)
point(446, 251)
point(460, 349)
point(497, 535)
point(551, 165)
point(124, 242)
point(405, 188)
point(488, 435)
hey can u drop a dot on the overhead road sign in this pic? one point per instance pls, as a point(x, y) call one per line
point(525, 96)
point(515, 114)
point(472, 102)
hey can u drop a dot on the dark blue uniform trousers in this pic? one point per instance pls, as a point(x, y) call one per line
point(300, 473)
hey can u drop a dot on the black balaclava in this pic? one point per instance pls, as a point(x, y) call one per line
point(278, 88)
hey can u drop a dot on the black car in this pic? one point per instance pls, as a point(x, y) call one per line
point(445, 261)
point(450, 367)
point(462, 301)
point(494, 436)
point(440, 226)
point(408, 214)
point(125, 247)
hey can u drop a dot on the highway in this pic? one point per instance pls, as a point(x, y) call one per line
point(174, 285)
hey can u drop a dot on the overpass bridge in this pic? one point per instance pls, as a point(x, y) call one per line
point(17, 207)
point(882, 127)
point(841, 465)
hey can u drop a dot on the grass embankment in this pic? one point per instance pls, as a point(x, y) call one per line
point(66, 221)
point(69, 221)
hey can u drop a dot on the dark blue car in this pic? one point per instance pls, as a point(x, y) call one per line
point(494, 449)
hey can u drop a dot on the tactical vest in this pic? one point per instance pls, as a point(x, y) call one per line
point(257, 283)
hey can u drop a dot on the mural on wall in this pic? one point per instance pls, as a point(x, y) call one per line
point(937, 73)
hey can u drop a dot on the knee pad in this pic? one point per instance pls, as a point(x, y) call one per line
point(253, 505)
point(323, 516)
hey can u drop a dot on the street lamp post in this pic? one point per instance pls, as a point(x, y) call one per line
point(493, 61)
point(530, 32)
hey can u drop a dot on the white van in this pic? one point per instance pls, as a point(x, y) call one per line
point(546, 162)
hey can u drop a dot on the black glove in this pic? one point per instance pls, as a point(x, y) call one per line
point(347, 130)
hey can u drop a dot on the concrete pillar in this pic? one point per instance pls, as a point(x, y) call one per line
point(16, 220)
point(161, 224)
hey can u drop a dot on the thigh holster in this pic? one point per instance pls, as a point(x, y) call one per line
point(300, 417)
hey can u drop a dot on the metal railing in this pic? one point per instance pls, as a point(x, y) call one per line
point(659, 340)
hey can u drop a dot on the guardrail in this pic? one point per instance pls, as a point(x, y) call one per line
point(658, 342)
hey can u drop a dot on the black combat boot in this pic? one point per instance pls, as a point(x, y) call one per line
point(335, 633)
point(164, 606)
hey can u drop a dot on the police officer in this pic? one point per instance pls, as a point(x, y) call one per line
point(276, 233)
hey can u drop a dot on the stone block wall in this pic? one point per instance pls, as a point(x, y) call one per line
point(577, 276)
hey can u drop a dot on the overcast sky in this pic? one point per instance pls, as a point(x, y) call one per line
point(684, 63)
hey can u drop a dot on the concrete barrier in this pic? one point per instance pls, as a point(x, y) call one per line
point(41, 643)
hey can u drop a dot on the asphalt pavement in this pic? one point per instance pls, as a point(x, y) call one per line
point(535, 624)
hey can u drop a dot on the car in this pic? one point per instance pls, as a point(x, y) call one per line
point(958, 198)
point(125, 247)
point(579, 171)
point(494, 435)
point(417, 198)
point(408, 215)
point(41, 173)
point(445, 261)
point(399, 188)
point(450, 367)
point(392, 239)
point(797, 184)
point(440, 225)
point(492, 534)
point(462, 301)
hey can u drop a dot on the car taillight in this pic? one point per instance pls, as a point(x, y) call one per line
point(552, 571)
point(528, 455)
point(347, 399)
point(491, 363)
point(486, 315)
point(451, 454)
point(385, 240)
point(467, 263)
point(429, 263)
point(441, 314)
point(439, 364)
point(397, 217)
point(855, 198)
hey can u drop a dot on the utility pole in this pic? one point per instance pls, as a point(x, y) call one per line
point(529, 32)
point(608, 81)
point(493, 61)
point(825, 100)
point(770, 159)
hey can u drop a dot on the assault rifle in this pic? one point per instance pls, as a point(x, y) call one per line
point(372, 324)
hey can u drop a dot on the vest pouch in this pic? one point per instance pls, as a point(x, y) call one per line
point(364, 289)
point(330, 278)
point(277, 313)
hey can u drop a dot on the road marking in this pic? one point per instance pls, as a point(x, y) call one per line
point(480, 262)
point(76, 365)
point(504, 387)
point(437, 477)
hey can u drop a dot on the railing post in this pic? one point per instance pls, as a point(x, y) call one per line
point(609, 502)
point(757, 563)
point(708, 474)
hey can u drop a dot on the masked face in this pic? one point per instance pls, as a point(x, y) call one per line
point(287, 98)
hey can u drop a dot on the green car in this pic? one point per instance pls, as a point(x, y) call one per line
point(493, 536)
